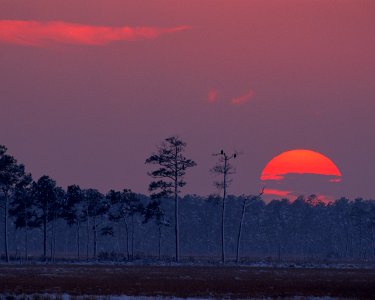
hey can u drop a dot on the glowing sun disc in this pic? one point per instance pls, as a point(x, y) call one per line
point(299, 161)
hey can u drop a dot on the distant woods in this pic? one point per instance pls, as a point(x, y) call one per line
point(40, 220)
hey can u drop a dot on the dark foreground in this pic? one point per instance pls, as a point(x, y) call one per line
point(187, 281)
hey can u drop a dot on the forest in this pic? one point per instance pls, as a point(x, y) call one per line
point(41, 221)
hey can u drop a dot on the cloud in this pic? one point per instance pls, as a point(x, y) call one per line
point(292, 196)
point(35, 33)
point(279, 193)
point(243, 98)
point(266, 176)
point(297, 176)
point(212, 96)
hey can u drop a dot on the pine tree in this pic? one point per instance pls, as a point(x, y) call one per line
point(172, 166)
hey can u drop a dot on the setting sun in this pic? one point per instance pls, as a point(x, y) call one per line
point(299, 162)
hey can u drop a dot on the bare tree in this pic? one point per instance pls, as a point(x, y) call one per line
point(223, 168)
point(172, 168)
point(245, 203)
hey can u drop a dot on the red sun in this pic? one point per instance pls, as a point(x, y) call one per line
point(301, 172)
point(300, 162)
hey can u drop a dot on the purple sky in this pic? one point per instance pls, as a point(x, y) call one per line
point(260, 77)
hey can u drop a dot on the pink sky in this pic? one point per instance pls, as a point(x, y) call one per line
point(89, 109)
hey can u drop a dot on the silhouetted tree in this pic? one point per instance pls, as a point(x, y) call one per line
point(96, 207)
point(47, 200)
point(172, 168)
point(154, 211)
point(125, 205)
point(56, 213)
point(114, 200)
point(246, 200)
point(74, 212)
point(21, 208)
point(11, 174)
point(357, 216)
point(223, 168)
point(340, 216)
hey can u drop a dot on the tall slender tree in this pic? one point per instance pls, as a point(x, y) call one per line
point(154, 211)
point(223, 168)
point(21, 208)
point(11, 173)
point(124, 206)
point(97, 207)
point(46, 199)
point(172, 166)
point(74, 212)
point(57, 212)
point(246, 200)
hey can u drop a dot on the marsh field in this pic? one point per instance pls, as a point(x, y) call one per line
point(187, 281)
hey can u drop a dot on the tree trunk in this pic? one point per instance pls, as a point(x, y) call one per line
point(372, 241)
point(127, 239)
point(26, 244)
point(176, 212)
point(52, 240)
point(66, 233)
point(279, 249)
point(26, 237)
point(45, 237)
point(87, 238)
point(177, 230)
point(240, 231)
point(222, 232)
point(95, 238)
point(132, 237)
point(78, 240)
point(118, 241)
point(159, 252)
point(346, 242)
point(223, 213)
point(6, 227)
point(360, 239)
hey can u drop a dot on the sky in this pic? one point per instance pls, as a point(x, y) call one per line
point(88, 89)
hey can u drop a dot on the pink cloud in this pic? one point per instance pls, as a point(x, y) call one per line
point(35, 33)
point(279, 193)
point(271, 177)
point(243, 98)
point(212, 96)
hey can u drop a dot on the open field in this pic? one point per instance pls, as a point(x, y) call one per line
point(187, 281)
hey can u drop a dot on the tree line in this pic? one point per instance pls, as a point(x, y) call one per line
point(129, 225)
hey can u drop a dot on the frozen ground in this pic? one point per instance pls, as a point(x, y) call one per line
point(182, 281)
